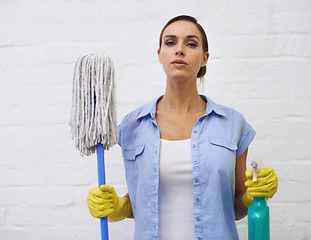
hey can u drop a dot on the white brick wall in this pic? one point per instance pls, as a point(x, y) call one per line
point(260, 65)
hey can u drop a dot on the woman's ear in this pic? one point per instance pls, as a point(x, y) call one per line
point(204, 59)
point(159, 56)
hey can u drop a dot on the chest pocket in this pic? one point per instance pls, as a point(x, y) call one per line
point(221, 142)
point(132, 153)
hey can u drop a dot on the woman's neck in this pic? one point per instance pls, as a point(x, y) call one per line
point(182, 97)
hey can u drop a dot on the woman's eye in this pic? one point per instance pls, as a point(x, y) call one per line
point(169, 43)
point(192, 44)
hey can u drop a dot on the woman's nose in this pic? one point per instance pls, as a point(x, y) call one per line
point(179, 50)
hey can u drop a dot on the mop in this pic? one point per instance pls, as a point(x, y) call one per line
point(93, 117)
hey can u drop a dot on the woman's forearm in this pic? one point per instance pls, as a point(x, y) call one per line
point(239, 207)
point(131, 215)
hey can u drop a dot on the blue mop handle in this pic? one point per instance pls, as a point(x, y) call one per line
point(102, 181)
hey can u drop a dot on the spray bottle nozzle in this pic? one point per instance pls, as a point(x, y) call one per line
point(254, 164)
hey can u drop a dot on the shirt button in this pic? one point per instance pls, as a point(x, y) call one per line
point(198, 238)
point(196, 180)
point(193, 145)
point(198, 219)
point(195, 161)
point(195, 131)
point(197, 200)
point(155, 170)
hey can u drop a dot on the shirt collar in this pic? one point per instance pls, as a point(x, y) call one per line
point(150, 108)
point(212, 107)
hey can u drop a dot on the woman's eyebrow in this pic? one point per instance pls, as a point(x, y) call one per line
point(193, 36)
point(170, 36)
point(174, 36)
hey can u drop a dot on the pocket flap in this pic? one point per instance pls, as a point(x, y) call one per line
point(131, 153)
point(223, 143)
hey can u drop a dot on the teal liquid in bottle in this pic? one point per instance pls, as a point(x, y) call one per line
point(258, 220)
point(258, 214)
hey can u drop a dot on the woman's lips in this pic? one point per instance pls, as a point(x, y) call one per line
point(179, 63)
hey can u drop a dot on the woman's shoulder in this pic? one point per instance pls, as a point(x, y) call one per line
point(231, 112)
point(133, 116)
point(225, 111)
point(237, 129)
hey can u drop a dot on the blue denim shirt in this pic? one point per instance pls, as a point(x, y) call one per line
point(218, 138)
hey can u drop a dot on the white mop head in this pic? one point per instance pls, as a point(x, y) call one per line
point(93, 116)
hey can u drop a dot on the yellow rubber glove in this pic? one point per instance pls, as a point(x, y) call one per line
point(266, 185)
point(104, 202)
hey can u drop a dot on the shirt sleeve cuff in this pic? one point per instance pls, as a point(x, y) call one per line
point(247, 137)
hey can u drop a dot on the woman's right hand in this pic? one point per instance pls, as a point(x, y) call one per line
point(104, 202)
point(101, 201)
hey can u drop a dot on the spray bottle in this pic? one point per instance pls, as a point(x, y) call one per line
point(258, 214)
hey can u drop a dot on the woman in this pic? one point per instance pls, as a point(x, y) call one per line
point(184, 155)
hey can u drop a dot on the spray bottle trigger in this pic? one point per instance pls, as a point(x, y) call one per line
point(254, 164)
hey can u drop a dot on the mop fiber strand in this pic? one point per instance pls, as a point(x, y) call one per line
point(93, 116)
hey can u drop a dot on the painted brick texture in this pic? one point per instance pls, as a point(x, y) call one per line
point(260, 64)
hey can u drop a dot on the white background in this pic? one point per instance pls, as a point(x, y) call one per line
point(259, 64)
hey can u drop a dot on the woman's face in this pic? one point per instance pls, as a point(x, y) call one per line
point(181, 53)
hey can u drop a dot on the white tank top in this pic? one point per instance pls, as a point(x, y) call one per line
point(176, 214)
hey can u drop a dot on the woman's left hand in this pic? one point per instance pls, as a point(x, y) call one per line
point(266, 185)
